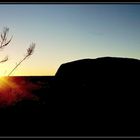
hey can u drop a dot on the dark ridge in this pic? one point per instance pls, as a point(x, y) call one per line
point(105, 58)
point(98, 92)
point(88, 67)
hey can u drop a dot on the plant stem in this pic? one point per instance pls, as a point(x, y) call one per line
point(17, 65)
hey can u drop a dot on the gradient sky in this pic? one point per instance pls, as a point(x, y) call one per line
point(67, 32)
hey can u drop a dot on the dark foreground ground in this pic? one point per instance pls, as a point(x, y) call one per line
point(90, 97)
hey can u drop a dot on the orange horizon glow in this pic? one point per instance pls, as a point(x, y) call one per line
point(29, 72)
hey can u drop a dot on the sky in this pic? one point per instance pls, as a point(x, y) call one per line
point(67, 32)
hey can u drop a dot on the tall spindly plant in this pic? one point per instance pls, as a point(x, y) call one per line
point(30, 51)
point(4, 41)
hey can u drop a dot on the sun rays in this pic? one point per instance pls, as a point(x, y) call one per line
point(12, 91)
point(3, 83)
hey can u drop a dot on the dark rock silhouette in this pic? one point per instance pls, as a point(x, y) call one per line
point(97, 92)
point(99, 79)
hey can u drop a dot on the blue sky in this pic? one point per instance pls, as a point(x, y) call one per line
point(67, 32)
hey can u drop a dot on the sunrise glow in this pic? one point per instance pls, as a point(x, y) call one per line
point(13, 90)
point(5, 83)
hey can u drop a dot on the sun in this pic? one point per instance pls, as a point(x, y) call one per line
point(5, 85)
point(3, 80)
point(2, 83)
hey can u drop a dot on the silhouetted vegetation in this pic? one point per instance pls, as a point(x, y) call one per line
point(29, 53)
point(4, 41)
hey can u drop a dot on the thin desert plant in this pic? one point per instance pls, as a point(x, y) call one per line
point(30, 51)
point(4, 41)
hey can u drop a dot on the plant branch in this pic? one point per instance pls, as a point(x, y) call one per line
point(3, 41)
point(4, 60)
point(30, 51)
